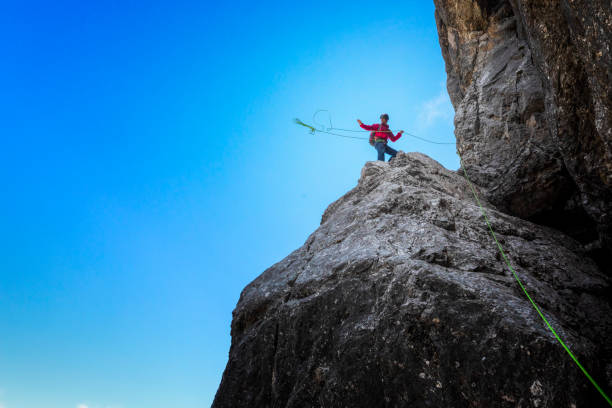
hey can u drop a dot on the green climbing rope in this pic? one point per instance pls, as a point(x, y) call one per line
point(535, 306)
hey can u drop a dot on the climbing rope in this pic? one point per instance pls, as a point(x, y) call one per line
point(324, 129)
point(535, 306)
point(484, 214)
point(313, 130)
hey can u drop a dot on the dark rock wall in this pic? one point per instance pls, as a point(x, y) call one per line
point(531, 83)
point(401, 299)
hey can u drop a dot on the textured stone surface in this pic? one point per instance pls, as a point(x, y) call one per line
point(531, 83)
point(401, 299)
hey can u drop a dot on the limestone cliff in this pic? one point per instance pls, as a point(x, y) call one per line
point(401, 299)
point(531, 83)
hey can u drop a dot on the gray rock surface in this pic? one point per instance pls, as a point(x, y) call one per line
point(531, 83)
point(401, 299)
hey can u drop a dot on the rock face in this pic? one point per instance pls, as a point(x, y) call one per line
point(531, 83)
point(401, 299)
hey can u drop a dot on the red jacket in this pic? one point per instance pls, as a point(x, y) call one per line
point(384, 132)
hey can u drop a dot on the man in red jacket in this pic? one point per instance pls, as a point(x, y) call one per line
point(381, 136)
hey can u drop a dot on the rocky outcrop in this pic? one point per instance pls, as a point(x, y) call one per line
point(401, 299)
point(531, 83)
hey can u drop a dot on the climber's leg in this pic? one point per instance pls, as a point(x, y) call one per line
point(391, 151)
point(380, 148)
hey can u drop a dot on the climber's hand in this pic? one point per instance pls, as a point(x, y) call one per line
point(358, 121)
point(401, 131)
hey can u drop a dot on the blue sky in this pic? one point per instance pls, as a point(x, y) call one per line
point(151, 169)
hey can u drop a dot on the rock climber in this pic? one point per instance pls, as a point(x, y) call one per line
point(380, 136)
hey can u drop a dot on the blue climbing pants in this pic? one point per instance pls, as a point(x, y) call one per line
point(382, 148)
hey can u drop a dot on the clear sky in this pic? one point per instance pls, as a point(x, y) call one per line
point(150, 170)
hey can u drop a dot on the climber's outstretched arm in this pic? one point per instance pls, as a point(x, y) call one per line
point(394, 138)
point(366, 127)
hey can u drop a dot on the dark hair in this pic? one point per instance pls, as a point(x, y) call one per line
point(384, 115)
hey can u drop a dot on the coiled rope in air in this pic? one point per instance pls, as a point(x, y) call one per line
point(484, 214)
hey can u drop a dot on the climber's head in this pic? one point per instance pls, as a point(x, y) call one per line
point(384, 118)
